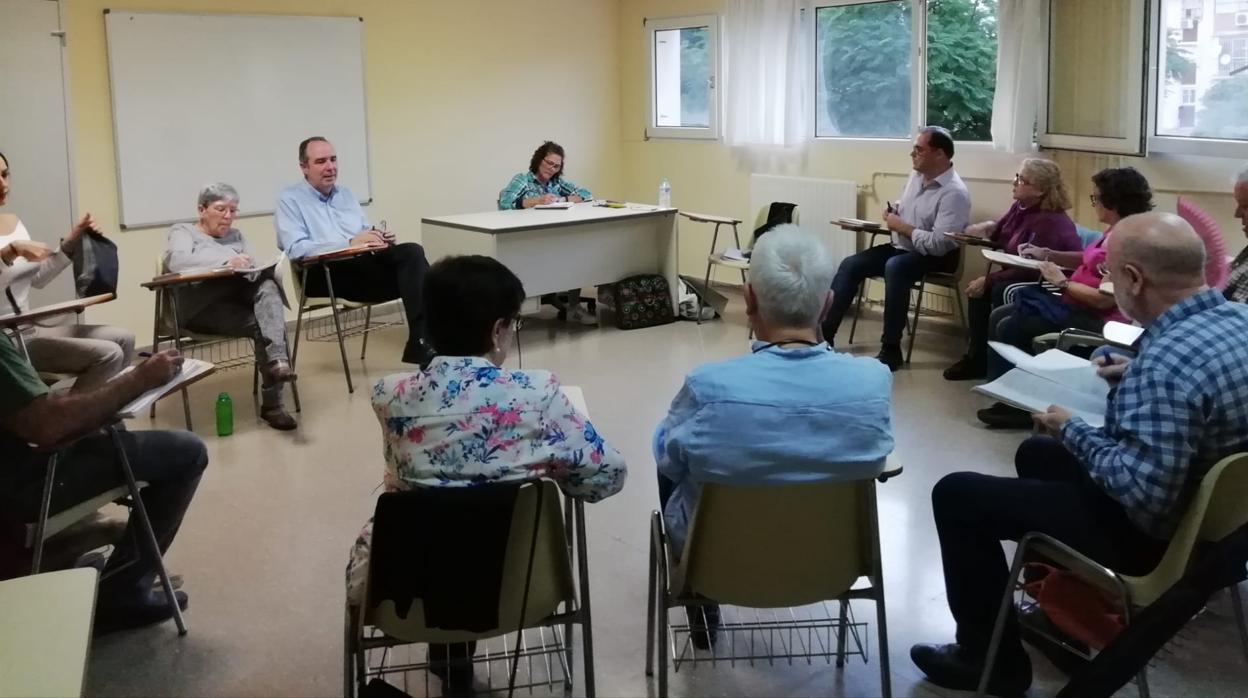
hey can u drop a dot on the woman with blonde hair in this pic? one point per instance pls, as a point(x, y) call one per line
point(1037, 217)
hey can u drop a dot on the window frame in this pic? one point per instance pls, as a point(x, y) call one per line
point(1177, 145)
point(651, 25)
point(1134, 91)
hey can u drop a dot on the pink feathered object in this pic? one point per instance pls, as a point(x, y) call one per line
point(1215, 246)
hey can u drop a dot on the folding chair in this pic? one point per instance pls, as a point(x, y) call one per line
point(219, 349)
point(539, 556)
point(1218, 507)
point(46, 525)
point(733, 555)
point(949, 280)
point(300, 269)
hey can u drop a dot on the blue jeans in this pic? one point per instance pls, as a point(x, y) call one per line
point(900, 269)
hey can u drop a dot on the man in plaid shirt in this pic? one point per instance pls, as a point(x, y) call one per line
point(1236, 288)
point(1114, 493)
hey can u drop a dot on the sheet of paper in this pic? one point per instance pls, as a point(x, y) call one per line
point(858, 222)
point(1070, 371)
point(1121, 333)
point(1010, 260)
point(577, 397)
point(557, 204)
point(734, 253)
point(191, 368)
point(1034, 393)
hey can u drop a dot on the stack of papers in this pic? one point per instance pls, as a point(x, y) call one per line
point(192, 370)
point(859, 223)
point(1051, 378)
point(735, 254)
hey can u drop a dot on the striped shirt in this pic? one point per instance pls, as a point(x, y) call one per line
point(1181, 406)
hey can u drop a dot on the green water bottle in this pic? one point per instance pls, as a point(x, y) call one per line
point(225, 415)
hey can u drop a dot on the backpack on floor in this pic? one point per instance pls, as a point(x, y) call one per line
point(640, 301)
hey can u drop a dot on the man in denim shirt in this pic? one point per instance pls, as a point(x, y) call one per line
point(791, 411)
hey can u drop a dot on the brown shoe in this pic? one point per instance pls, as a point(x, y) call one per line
point(279, 371)
point(278, 418)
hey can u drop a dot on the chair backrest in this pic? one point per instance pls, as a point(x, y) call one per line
point(551, 582)
point(764, 213)
point(777, 546)
point(1087, 236)
point(1218, 507)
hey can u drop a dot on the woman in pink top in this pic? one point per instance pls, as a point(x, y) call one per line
point(1117, 193)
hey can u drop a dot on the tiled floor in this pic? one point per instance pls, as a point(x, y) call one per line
point(265, 542)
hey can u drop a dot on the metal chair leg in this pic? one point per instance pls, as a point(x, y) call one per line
point(660, 637)
point(853, 326)
point(145, 528)
point(342, 348)
point(587, 634)
point(177, 342)
point(45, 505)
point(998, 626)
point(303, 303)
point(966, 322)
point(151, 413)
point(368, 318)
point(840, 634)
point(881, 621)
point(737, 237)
point(914, 326)
point(651, 591)
point(1237, 605)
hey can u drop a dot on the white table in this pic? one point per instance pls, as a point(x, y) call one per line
point(553, 250)
point(47, 632)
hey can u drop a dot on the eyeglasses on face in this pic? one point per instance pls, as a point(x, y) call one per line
point(553, 165)
point(1094, 198)
point(1019, 179)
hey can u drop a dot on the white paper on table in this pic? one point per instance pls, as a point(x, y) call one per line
point(557, 204)
point(191, 368)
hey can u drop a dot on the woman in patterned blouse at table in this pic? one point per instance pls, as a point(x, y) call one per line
point(467, 421)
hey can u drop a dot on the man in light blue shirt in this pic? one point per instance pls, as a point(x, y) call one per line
point(791, 411)
point(317, 216)
point(934, 201)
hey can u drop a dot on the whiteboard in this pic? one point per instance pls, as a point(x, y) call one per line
point(227, 98)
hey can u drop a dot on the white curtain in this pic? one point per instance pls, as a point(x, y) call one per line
point(1021, 32)
point(766, 56)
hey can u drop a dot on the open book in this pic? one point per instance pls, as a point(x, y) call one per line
point(192, 370)
point(1051, 378)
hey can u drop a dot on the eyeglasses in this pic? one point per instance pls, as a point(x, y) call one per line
point(1018, 179)
point(553, 165)
point(1094, 199)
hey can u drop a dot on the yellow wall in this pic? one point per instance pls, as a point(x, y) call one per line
point(710, 177)
point(459, 94)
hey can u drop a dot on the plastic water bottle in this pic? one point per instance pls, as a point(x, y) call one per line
point(225, 415)
point(665, 194)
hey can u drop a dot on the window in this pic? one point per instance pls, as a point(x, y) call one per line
point(683, 63)
point(873, 79)
point(1200, 91)
point(1094, 76)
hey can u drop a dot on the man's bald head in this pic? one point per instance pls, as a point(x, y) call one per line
point(1155, 261)
point(1162, 246)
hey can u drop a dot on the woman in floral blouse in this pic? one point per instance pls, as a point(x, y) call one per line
point(466, 421)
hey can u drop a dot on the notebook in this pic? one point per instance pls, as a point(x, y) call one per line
point(192, 370)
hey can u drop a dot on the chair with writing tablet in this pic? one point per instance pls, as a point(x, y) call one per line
point(723, 258)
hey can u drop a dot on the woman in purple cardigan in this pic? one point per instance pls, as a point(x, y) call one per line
point(1037, 216)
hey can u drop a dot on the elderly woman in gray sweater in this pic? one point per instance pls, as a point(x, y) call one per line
point(244, 305)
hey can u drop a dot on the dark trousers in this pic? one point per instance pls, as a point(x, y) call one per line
point(978, 310)
point(171, 462)
point(1053, 494)
point(395, 272)
point(1007, 325)
point(900, 269)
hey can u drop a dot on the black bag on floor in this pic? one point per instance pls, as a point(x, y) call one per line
point(641, 301)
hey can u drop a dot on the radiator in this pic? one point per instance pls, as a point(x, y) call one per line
point(819, 201)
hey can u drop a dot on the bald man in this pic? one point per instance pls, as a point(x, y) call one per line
point(1236, 288)
point(1114, 493)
